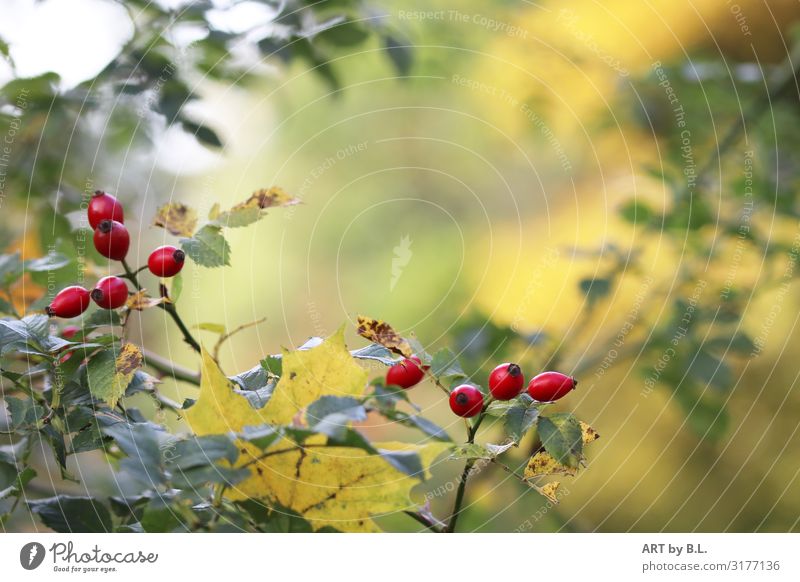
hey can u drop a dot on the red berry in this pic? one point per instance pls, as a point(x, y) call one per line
point(506, 381)
point(110, 293)
point(406, 374)
point(550, 386)
point(466, 401)
point(69, 302)
point(166, 261)
point(69, 331)
point(104, 207)
point(111, 239)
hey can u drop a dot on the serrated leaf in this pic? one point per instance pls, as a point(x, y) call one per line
point(109, 376)
point(382, 333)
point(208, 248)
point(178, 219)
point(340, 486)
point(561, 436)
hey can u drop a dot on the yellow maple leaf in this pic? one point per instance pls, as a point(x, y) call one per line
point(342, 487)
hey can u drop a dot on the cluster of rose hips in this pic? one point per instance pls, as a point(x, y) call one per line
point(505, 383)
point(111, 239)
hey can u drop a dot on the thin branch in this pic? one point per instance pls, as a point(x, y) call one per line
point(168, 307)
point(168, 368)
point(226, 336)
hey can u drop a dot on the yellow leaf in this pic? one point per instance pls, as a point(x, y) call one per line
point(543, 463)
point(140, 301)
point(550, 491)
point(340, 487)
point(177, 218)
point(382, 333)
point(128, 361)
point(588, 433)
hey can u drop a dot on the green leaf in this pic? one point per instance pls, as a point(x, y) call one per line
point(51, 262)
point(707, 369)
point(261, 436)
point(15, 334)
point(202, 133)
point(217, 328)
point(418, 422)
point(331, 415)
point(199, 451)
point(407, 462)
point(399, 54)
point(376, 352)
point(67, 514)
point(176, 288)
point(476, 451)
point(595, 289)
point(100, 376)
point(10, 269)
point(142, 442)
point(208, 248)
point(561, 436)
point(636, 212)
point(518, 420)
point(445, 365)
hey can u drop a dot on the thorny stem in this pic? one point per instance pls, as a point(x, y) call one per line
point(168, 307)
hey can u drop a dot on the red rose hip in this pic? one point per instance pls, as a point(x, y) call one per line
point(550, 386)
point(166, 261)
point(111, 239)
point(69, 302)
point(406, 374)
point(110, 293)
point(506, 381)
point(466, 401)
point(102, 207)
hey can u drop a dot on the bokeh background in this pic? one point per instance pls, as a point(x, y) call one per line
point(577, 185)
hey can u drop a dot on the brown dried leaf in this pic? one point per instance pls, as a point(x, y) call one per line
point(382, 333)
point(140, 301)
point(177, 218)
